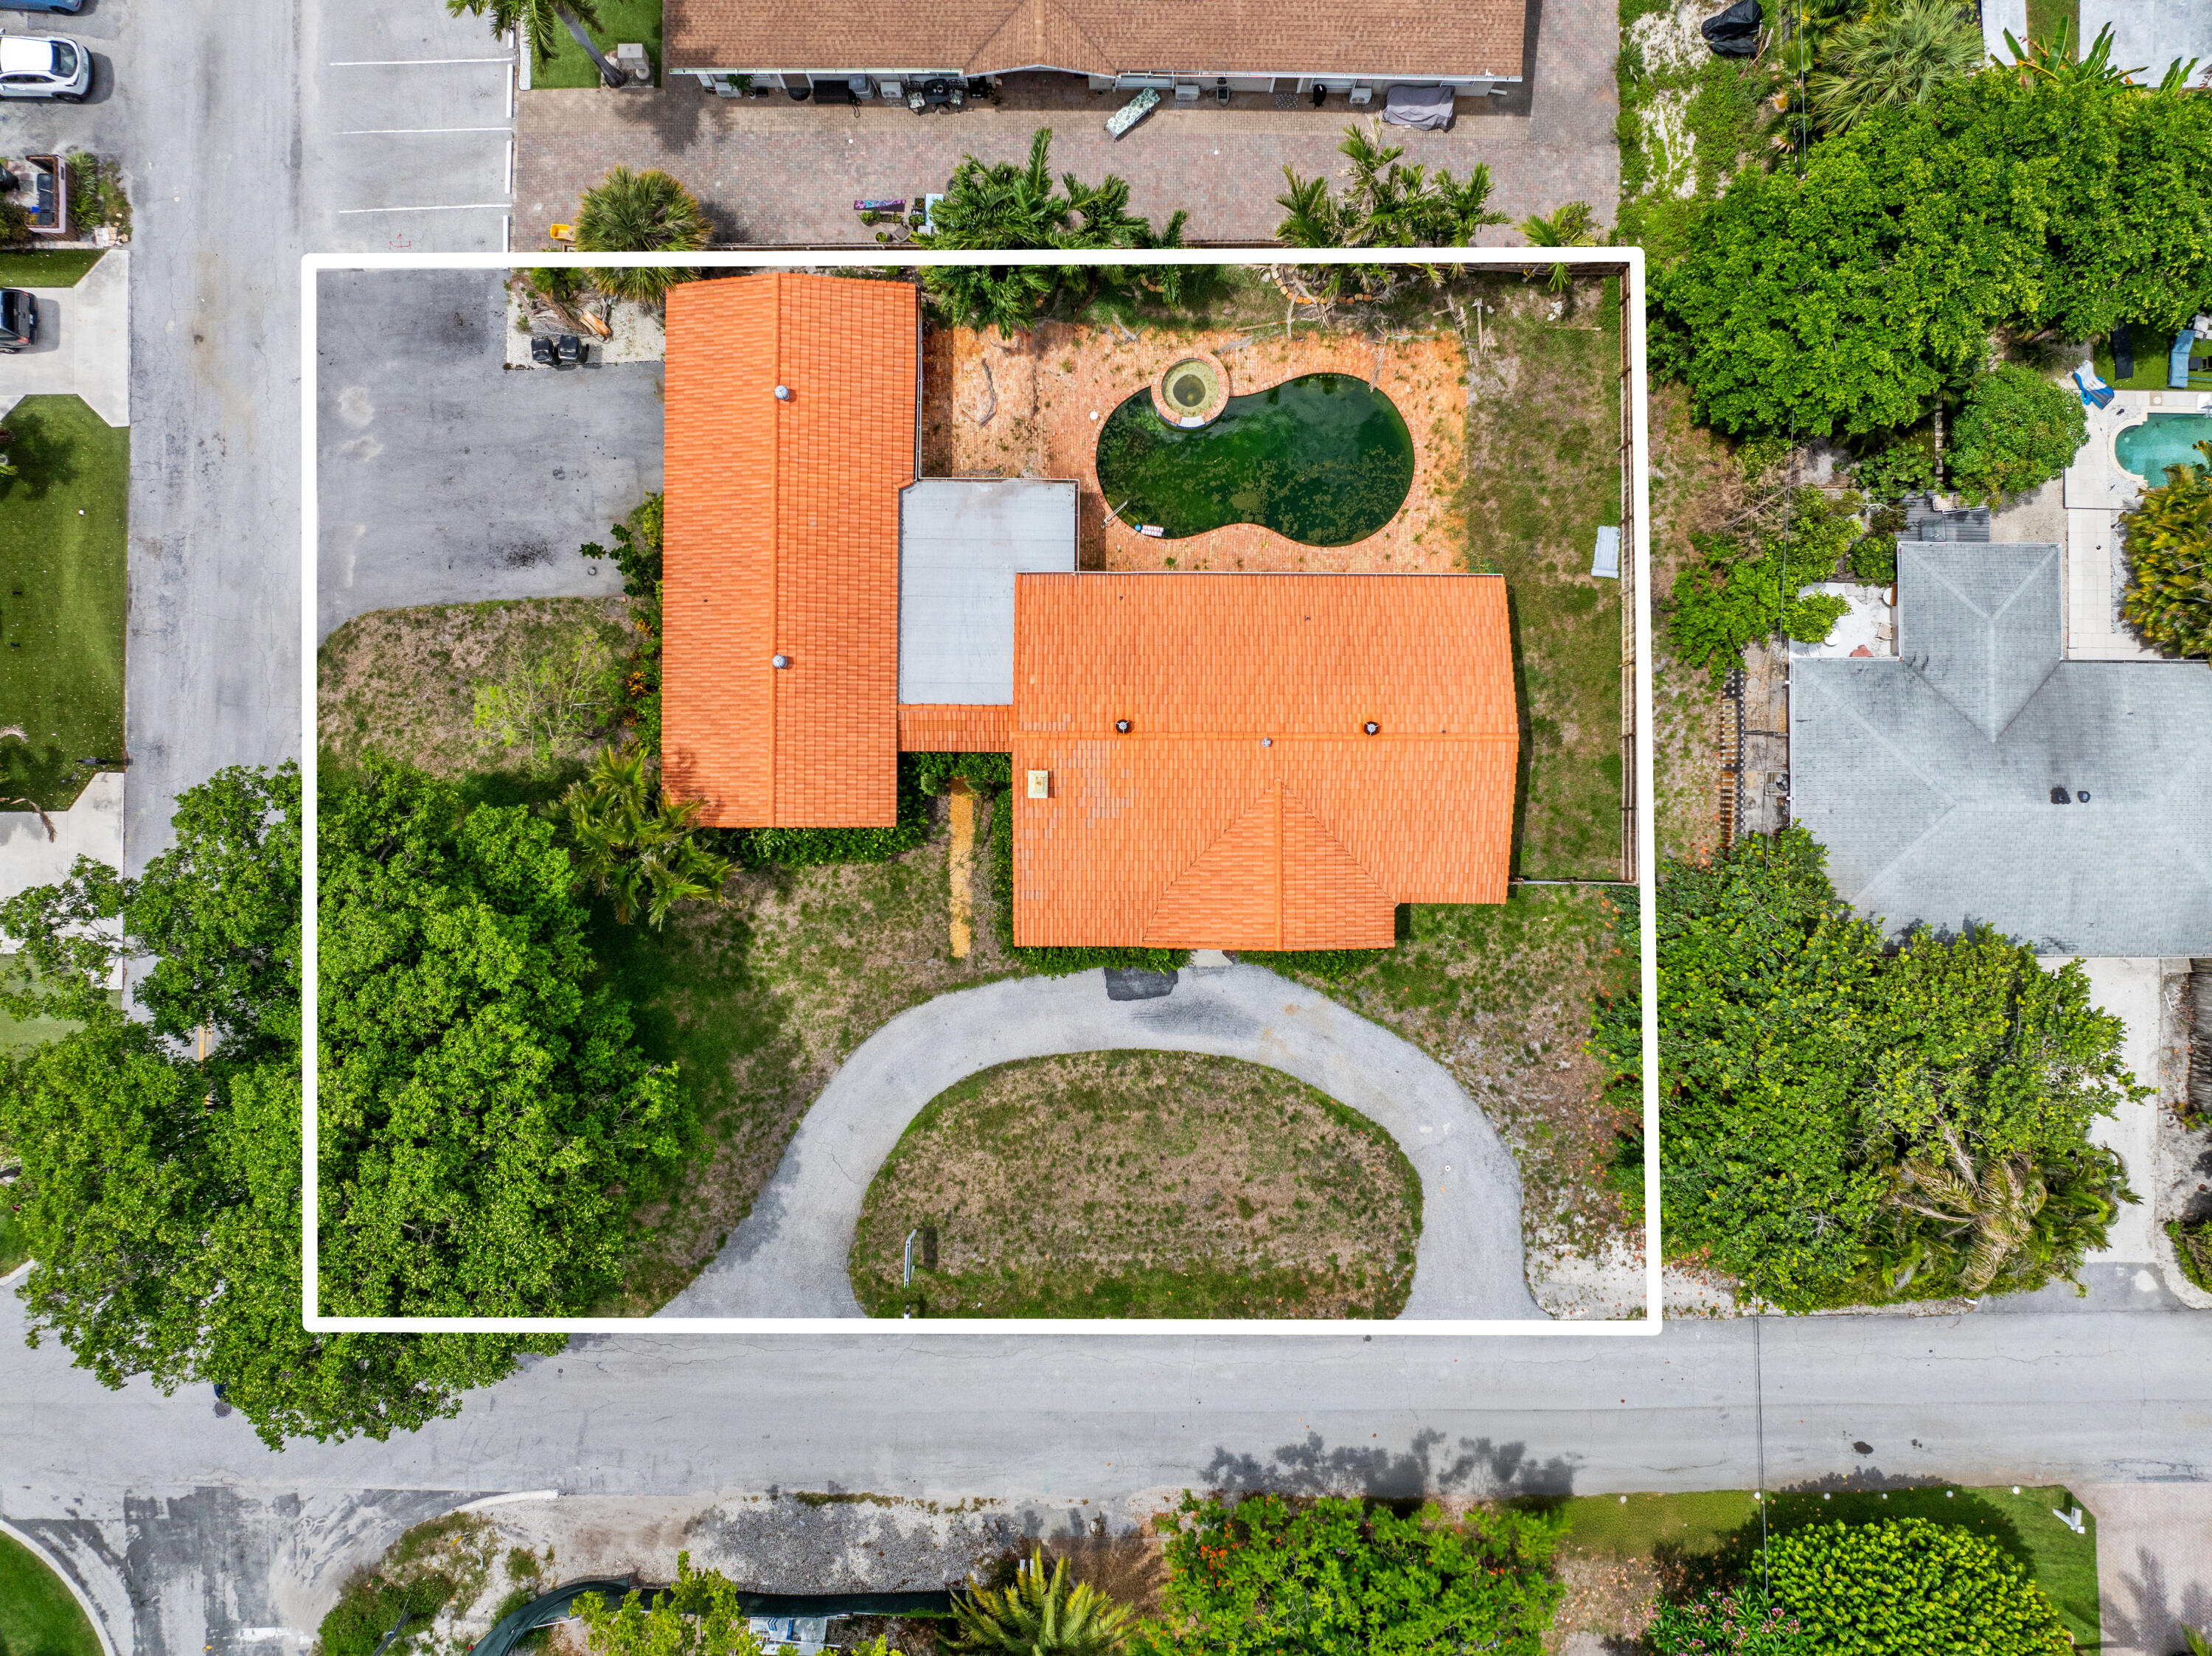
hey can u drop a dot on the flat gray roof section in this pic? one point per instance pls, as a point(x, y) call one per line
point(961, 543)
point(1929, 776)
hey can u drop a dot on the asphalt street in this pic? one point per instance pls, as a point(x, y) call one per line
point(190, 1534)
point(445, 477)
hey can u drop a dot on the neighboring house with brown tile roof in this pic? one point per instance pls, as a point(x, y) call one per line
point(1186, 49)
point(1203, 760)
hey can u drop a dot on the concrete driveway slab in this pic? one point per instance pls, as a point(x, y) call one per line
point(442, 476)
point(39, 848)
point(2154, 1564)
point(788, 1257)
point(84, 343)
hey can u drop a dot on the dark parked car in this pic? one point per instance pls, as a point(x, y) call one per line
point(19, 320)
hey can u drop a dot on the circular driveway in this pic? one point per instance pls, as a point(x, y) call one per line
point(788, 1259)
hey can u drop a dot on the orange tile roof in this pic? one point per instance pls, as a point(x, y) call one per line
point(781, 536)
point(1246, 808)
point(955, 727)
point(1381, 39)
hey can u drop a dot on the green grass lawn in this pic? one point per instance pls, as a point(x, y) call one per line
point(62, 597)
point(1543, 473)
point(619, 21)
point(2150, 348)
point(63, 267)
point(1712, 1536)
point(38, 1615)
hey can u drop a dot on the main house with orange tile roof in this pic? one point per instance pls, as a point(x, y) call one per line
point(1257, 761)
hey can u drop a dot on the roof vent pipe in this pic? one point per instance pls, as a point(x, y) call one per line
point(783, 393)
point(779, 661)
point(1371, 727)
point(1122, 726)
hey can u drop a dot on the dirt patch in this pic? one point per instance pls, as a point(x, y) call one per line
point(1141, 1184)
point(1606, 1607)
point(1502, 996)
point(759, 1000)
point(402, 681)
point(1026, 407)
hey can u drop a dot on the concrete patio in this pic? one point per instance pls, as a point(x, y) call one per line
point(774, 173)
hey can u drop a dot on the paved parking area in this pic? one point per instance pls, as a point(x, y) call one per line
point(442, 476)
point(772, 171)
point(410, 112)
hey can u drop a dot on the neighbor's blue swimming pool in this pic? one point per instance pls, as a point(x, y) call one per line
point(2163, 440)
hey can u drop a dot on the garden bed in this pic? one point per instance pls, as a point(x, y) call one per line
point(1141, 1184)
point(619, 21)
point(64, 599)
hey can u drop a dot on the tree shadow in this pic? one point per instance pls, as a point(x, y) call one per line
point(1431, 1464)
point(42, 457)
point(2155, 1610)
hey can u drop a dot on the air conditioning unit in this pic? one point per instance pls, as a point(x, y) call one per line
point(894, 90)
point(858, 85)
point(1362, 96)
point(1186, 92)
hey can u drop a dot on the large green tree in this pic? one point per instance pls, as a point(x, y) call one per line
point(487, 1121)
point(1853, 299)
point(1843, 1121)
point(161, 1188)
point(2168, 541)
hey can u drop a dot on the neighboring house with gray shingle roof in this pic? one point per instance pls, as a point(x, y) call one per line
point(1933, 777)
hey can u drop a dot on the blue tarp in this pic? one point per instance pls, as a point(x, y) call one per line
point(2177, 364)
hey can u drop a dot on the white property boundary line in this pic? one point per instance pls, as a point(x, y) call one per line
point(1627, 262)
point(37, 1550)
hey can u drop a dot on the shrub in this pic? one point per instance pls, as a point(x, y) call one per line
point(548, 704)
point(562, 283)
point(1909, 1588)
point(1895, 469)
point(1330, 964)
point(2016, 432)
point(1336, 1576)
point(805, 847)
point(2192, 1248)
point(984, 772)
point(2168, 542)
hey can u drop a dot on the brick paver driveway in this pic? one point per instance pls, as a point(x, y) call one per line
point(772, 171)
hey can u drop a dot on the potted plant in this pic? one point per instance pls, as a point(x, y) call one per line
point(868, 216)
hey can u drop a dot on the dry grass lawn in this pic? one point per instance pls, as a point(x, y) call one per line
point(1141, 1184)
point(402, 681)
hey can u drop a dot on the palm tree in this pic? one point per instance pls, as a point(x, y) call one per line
point(1893, 56)
point(537, 19)
point(1007, 206)
point(1571, 226)
point(1385, 204)
point(2014, 1219)
point(1039, 1615)
point(629, 846)
point(646, 212)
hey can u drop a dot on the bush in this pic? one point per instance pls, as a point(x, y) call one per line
point(564, 284)
point(2192, 1248)
point(549, 704)
point(1330, 964)
point(2016, 432)
point(984, 772)
point(1337, 1575)
point(2168, 542)
point(1895, 469)
point(1909, 1588)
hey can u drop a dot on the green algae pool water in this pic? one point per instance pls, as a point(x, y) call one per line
point(1324, 460)
point(2163, 440)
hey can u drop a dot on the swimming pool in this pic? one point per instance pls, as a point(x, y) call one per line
point(2162, 441)
point(1324, 460)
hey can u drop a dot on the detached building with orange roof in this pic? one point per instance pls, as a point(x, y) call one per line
point(1257, 761)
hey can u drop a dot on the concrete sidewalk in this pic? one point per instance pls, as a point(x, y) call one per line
point(84, 343)
point(788, 1259)
point(30, 855)
point(773, 171)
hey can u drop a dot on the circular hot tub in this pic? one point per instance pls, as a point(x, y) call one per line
point(1192, 390)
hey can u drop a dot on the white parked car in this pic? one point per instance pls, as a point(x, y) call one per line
point(51, 66)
